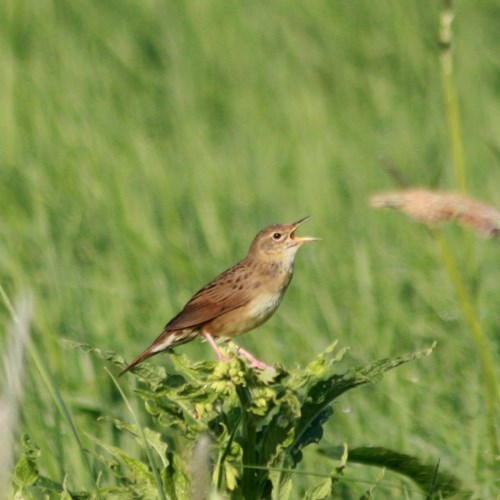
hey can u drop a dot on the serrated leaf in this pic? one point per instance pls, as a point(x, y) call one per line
point(269, 375)
point(369, 493)
point(30, 449)
point(323, 392)
point(25, 473)
point(65, 494)
point(153, 438)
point(231, 474)
point(171, 415)
point(230, 460)
point(312, 434)
point(271, 416)
point(112, 356)
point(324, 359)
point(282, 485)
point(280, 431)
point(140, 475)
point(318, 369)
point(44, 484)
point(175, 479)
point(322, 491)
point(431, 481)
point(193, 371)
point(153, 374)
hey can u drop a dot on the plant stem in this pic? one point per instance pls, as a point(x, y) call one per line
point(490, 386)
point(450, 93)
point(227, 449)
point(250, 486)
point(154, 468)
point(55, 394)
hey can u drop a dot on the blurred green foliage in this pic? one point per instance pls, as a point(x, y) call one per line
point(143, 144)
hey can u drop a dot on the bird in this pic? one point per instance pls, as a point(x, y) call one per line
point(238, 300)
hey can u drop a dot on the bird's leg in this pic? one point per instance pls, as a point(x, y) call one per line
point(254, 362)
point(215, 347)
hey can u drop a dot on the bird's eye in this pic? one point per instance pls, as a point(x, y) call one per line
point(277, 236)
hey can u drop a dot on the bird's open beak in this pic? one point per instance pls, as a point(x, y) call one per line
point(301, 239)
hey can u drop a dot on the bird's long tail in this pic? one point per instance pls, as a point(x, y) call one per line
point(146, 354)
point(166, 341)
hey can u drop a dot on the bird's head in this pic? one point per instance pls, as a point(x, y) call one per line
point(279, 241)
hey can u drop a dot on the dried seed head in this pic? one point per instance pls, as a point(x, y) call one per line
point(431, 207)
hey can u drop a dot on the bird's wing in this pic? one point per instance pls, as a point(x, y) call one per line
point(220, 296)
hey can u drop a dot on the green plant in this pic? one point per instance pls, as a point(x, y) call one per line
point(253, 424)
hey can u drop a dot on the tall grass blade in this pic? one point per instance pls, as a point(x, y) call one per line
point(53, 391)
point(13, 366)
point(490, 386)
point(152, 464)
point(450, 93)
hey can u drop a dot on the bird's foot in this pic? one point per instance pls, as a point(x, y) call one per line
point(260, 365)
point(213, 344)
point(224, 359)
point(254, 362)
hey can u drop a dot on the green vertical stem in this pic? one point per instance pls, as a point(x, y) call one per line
point(250, 486)
point(450, 93)
point(152, 465)
point(55, 394)
point(490, 386)
point(453, 113)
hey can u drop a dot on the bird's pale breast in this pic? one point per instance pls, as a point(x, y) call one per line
point(246, 317)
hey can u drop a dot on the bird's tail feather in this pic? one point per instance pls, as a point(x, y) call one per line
point(146, 354)
point(166, 341)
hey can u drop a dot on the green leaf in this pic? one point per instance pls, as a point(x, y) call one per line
point(153, 438)
point(312, 434)
point(30, 449)
point(180, 416)
point(321, 393)
point(280, 431)
point(26, 474)
point(153, 374)
point(433, 482)
point(282, 485)
point(26, 471)
point(322, 491)
point(141, 479)
point(65, 494)
point(176, 479)
point(117, 359)
point(257, 419)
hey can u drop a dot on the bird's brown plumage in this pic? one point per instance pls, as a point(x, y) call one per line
point(222, 295)
point(240, 298)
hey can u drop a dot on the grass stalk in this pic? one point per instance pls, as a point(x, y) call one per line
point(13, 361)
point(490, 386)
point(450, 94)
point(53, 390)
point(158, 481)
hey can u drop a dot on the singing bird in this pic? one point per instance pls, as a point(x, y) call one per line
point(238, 300)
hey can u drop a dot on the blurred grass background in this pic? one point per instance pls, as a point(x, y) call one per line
point(143, 144)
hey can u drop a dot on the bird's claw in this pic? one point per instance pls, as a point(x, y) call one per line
point(254, 362)
point(259, 365)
